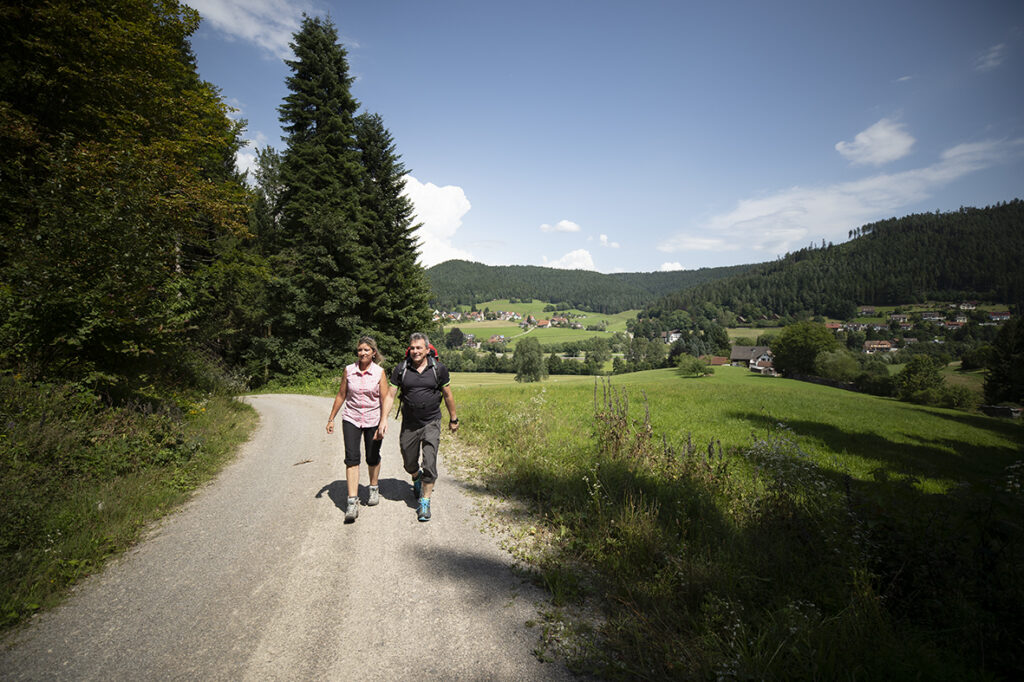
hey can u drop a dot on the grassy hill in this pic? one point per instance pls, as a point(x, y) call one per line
point(822, 534)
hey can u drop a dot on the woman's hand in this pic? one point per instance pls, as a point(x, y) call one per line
point(381, 429)
point(330, 426)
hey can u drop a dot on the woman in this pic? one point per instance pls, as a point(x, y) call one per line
point(362, 391)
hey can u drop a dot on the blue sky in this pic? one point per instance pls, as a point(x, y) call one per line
point(643, 136)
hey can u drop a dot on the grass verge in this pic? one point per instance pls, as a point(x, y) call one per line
point(80, 482)
point(736, 527)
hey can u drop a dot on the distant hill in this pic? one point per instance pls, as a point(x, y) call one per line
point(460, 282)
point(969, 254)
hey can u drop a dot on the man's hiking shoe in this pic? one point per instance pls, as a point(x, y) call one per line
point(374, 497)
point(417, 485)
point(352, 510)
point(424, 512)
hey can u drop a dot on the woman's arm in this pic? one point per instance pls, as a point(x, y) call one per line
point(339, 400)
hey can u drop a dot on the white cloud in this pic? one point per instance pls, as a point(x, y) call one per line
point(791, 218)
point(669, 267)
point(440, 209)
point(580, 259)
point(560, 226)
point(245, 158)
point(991, 58)
point(904, 79)
point(605, 242)
point(267, 23)
point(883, 142)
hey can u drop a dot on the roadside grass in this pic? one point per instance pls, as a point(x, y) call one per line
point(80, 483)
point(759, 528)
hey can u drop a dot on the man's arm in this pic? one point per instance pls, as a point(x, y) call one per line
point(449, 402)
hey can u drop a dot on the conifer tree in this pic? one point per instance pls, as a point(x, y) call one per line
point(398, 303)
point(319, 252)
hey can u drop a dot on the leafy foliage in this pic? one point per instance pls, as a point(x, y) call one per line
point(529, 361)
point(797, 347)
point(1005, 381)
point(118, 166)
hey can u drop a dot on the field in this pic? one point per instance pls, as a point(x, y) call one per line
point(484, 330)
point(746, 527)
point(750, 332)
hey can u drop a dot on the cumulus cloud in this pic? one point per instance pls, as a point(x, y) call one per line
point(266, 23)
point(883, 142)
point(560, 226)
point(580, 259)
point(605, 242)
point(991, 58)
point(245, 157)
point(669, 267)
point(440, 210)
point(786, 220)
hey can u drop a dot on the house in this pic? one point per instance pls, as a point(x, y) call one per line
point(866, 311)
point(968, 305)
point(671, 336)
point(899, 317)
point(543, 324)
point(878, 346)
point(999, 315)
point(763, 365)
point(833, 326)
point(745, 356)
point(933, 315)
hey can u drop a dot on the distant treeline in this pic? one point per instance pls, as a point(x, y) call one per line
point(459, 282)
point(969, 254)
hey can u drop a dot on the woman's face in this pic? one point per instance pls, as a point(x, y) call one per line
point(364, 352)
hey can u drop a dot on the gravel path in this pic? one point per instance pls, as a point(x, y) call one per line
point(257, 578)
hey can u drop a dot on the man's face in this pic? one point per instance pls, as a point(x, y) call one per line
point(417, 351)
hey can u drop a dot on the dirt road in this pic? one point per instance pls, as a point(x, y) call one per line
point(258, 578)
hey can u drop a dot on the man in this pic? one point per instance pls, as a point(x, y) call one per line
point(424, 382)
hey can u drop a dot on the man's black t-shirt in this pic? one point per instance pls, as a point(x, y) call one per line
point(420, 393)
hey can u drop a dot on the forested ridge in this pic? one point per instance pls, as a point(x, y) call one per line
point(969, 254)
point(460, 282)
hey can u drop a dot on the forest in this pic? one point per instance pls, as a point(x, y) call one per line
point(458, 282)
point(969, 254)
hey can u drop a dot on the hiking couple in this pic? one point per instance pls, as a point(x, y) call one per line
point(365, 398)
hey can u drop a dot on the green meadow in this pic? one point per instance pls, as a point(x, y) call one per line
point(747, 527)
point(485, 329)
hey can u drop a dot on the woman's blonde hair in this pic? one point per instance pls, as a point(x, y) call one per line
point(368, 340)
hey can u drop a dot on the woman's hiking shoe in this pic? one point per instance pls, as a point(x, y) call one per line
point(424, 512)
point(374, 497)
point(352, 510)
point(417, 485)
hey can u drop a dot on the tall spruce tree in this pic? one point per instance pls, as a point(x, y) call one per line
point(320, 250)
point(398, 302)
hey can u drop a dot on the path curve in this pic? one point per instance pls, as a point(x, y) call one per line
point(258, 578)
